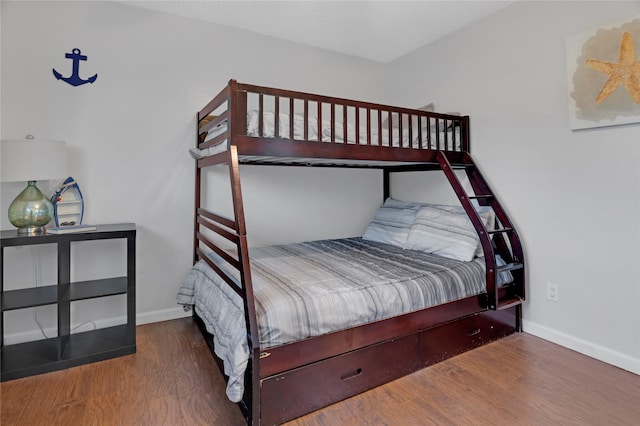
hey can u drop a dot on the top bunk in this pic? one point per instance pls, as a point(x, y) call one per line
point(265, 125)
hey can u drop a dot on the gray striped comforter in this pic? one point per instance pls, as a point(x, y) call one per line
point(307, 289)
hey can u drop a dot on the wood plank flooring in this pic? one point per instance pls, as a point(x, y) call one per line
point(173, 380)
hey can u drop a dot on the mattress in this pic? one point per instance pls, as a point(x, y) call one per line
point(395, 139)
point(308, 289)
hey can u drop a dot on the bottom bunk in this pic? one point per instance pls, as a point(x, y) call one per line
point(339, 317)
point(299, 391)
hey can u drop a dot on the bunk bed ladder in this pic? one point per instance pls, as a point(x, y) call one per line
point(501, 239)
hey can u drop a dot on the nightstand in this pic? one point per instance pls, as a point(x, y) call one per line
point(68, 349)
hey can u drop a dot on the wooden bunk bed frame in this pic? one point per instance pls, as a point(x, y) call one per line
point(290, 380)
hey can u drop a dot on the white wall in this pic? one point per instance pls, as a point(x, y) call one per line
point(128, 134)
point(574, 196)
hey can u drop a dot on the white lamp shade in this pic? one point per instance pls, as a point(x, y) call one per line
point(32, 159)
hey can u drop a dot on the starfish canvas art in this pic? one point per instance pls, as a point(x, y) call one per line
point(604, 76)
point(625, 72)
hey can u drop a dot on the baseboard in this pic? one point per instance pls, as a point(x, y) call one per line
point(162, 315)
point(141, 318)
point(585, 347)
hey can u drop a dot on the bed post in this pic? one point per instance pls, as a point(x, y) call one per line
point(237, 109)
point(198, 177)
point(245, 274)
point(465, 134)
point(386, 184)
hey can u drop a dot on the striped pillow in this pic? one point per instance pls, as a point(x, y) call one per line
point(391, 223)
point(446, 231)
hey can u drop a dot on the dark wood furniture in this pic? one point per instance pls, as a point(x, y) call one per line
point(287, 381)
point(68, 349)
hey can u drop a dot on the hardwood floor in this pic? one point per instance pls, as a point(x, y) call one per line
point(173, 380)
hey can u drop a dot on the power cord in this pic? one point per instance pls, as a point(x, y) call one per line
point(36, 267)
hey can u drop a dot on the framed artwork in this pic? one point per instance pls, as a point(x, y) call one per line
point(603, 67)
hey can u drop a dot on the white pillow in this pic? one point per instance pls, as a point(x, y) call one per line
point(446, 231)
point(405, 118)
point(392, 221)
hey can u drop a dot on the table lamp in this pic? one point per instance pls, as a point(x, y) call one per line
point(30, 160)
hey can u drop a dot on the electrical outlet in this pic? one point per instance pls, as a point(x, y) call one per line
point(552, 292)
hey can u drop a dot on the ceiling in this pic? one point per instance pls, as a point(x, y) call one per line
point(377, 30)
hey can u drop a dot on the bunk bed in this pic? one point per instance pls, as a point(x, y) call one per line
point(277, 371)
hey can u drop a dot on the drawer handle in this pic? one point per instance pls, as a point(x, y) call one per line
point(351, 375)
point(473, 332)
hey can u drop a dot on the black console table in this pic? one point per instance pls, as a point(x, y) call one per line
point(68, 349)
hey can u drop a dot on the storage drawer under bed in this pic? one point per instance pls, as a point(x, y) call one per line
point(305, 389)
point(456, 337)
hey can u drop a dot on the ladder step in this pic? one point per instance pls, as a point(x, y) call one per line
point(462, 166)
point(509, 302)
point(510, 267)
point(485, 196)
point(497, 231)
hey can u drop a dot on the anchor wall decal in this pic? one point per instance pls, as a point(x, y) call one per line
point(74, 79)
